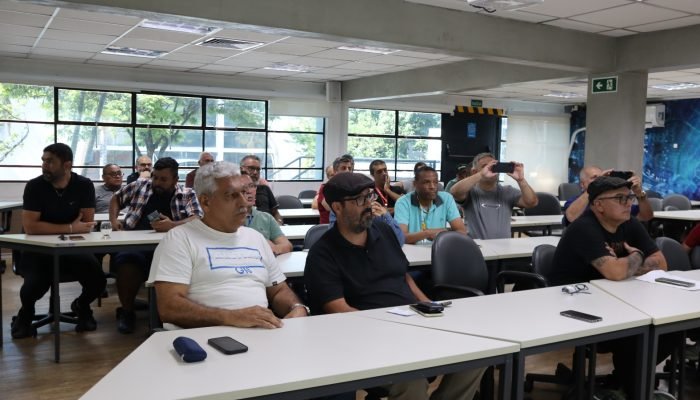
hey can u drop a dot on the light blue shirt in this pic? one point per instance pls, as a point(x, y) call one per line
point(408, 212)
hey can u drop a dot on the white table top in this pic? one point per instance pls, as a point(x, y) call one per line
point(292, 264)
point(9, 205)
point(326, 349)
point(298, 213)
point(664, 304)
point(118, 238)
point(695, 203)
point(306, 202)
point(530, 318)
point(535, 220)
point(498, 249)
point(683, 215)
point(295, 232)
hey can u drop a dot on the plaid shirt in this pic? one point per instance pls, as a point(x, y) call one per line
point(183, 204)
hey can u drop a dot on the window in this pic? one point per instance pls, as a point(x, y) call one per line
point(116, 127)
point(399, 138)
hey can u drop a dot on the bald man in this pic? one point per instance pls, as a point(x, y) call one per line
point(204, 159)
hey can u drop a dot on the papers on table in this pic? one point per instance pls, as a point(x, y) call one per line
point(652, 277)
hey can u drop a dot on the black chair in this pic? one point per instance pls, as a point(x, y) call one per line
point(568, 190)
point(678, 201)
point(652, 194)
point(542, 257)
point(676, 257)
point(286, 201)
point(695, 257)
point(307, 194)
point(313, 234)
point(459, 269)
point(547, 204)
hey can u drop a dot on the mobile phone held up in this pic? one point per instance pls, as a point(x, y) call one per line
point(503, 167)
point(428, 309)
point(622, 174)
point(227, 345)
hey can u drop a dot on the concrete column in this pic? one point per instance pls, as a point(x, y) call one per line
point(615, 123)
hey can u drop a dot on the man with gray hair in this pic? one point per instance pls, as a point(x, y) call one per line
point(204, 158)
point(215, 270)
point(487, 204)
point(264, 198)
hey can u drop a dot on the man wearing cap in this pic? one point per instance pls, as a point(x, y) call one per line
point(606, 243)
point(462, 172)
point(575, 206)
point(358, 265)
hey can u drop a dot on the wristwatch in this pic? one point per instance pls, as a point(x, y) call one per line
point(297, 305)
point(642, 195)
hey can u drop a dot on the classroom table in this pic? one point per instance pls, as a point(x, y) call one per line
point(295, 232)
point(6, 208)
point(671, 309)
point(91, 243)
point(306, 358)
point(520, 223)
point(678, 215)
point(531, 318)
point(306, 202)
point(299, 215)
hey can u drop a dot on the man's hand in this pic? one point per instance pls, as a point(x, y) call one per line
point(297, 312)
point(486, 171)
point(432, 233)
point(78, 226)
point(253, 317)
point(163, 224)
point(636, 184)
point(116, 224)
point(519, 172)
point(377, 209)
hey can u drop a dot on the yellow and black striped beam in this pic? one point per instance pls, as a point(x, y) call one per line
point(480, 110)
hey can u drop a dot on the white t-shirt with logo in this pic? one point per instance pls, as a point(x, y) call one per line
point(224, 270)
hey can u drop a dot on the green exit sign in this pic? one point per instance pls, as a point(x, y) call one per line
point(477, 103)
point(604, 85)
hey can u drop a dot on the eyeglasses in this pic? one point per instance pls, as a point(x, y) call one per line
point(621, 198)
point(145, 164)
point(115, 174)
point(363, 199)
point(252, 168)
point(578, 288)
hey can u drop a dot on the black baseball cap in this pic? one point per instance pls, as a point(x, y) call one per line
point(603, 184)
point(345, 184)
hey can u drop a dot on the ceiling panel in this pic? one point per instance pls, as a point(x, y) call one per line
point(327, 44)
point(10, 29)
point(18, 40)
point(66, 45)
point(690, 6)
point(261, 56)
point(674, 23)
point(110, 18)
point(290, 48)
point(316, 62)
point(365, 66)
point(146, 44)
point(60, 53)
point(98, 28)
point(26, 7)
point(78, 37)
point(617, 33)
point(629, 15)
point(160, 35)
point(568, 8)
point(579, 26)
point(219, 68)
point(523, 15)
point(392, 59)
point(187, 57)
point(248, 35)
point(19, 18)
point(347, 55)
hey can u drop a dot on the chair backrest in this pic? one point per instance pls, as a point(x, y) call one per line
point(307, 194)
point(286, 201)
point(655, 203)
point(457, 260)
point(313, 234)
point(568, 190)
point(653, 194)
point(441, 187)
point(695, 257)
point(547, 204)
point(676, 200)
point(676, 257)
point(542, 258)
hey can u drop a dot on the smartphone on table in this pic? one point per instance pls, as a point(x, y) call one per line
point(227, 345)
point(581, 316)
point(428, 309)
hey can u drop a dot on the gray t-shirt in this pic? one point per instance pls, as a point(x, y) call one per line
point(102, 198)
point(487, 214)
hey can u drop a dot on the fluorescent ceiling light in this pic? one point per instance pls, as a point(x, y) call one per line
point(503, 5)
point(564, 95)
point(233, 44)
point(289, 67)
point(369, 49)
point(177, 27)
point(677, 86)
point(130, 51)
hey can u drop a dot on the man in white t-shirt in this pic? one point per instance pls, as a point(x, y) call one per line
point(215, 270)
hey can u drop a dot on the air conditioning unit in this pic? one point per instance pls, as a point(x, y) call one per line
point(655, 116)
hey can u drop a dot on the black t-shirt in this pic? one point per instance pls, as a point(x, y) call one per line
point(59, 206)
point(389, 201)
point(367, 277)
point(584, 241)
point(132, 177)
point(265, 200)
point(155, 203)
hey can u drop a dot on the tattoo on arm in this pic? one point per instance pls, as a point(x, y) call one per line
point(598, 262)
point(634, 262)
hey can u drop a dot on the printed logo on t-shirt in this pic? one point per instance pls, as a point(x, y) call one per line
point(242, 259)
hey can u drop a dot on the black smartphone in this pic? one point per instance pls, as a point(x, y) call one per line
point(76, 237)
point(428, 309)
point(622, 174)
point(581, 316)
point(154, 216)
point(675, 282)
point(505, 167)
point(227, 345)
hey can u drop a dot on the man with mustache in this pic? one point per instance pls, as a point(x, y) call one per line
point(359, 265)
point(158, 203)
point(58, 202)
point(262, 222)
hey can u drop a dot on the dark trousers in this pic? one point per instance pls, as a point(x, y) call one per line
point(37, 270)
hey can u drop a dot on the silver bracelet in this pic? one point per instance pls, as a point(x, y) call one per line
point(297, 305)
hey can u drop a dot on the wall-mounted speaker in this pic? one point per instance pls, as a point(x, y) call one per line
point(333, 94)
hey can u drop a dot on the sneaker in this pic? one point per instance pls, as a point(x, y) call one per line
point(660, 395)
point(126, 320)
point(22, 324)
point(86, 322)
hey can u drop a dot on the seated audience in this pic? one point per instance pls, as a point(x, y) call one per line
point(387, 195)
point(340, 165)
point(407, 184)
point(693, 239)
point(143, 169)
point(112, 177)
point(204, 158)
point(315, 203)
point(462, 172)
point(264, 199)
point(262, 222)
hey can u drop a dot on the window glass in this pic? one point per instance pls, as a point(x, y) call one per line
point(371, 122)
point(97, 145)
point(233, 146)
point(181, 144)
point(296, 151)
point(227, 113)
point(160, 109)
point(296, 124)
point(91, 106)
point(26, 102)
point(367, 149)
point(420, 124)
point(20, 149)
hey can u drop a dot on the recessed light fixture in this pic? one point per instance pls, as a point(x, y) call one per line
point(130, 51)
point(677, 86)
point(564, 95)
point(289, 67)
point(178, 27)
point(233, 44)
point(369, 49)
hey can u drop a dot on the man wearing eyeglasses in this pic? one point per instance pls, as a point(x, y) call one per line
point(144, 165)
point(264, 199)
point(113, 177)
point(262, 222)
point(606, 243)
point(359, 265)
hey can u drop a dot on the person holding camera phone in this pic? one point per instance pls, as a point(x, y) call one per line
point(575, 206)
point(487, 204)
point(157, 203)
point(359, 265)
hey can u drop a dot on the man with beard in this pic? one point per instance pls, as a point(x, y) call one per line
point(358, 265)
point(387, 195)
point(113, 177)
point(143, 169)
point(158, 203)
point(424, 213)
point(215, 271)
point(58, 202)
point(262, 222)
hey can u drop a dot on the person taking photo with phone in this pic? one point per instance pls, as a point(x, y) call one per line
point(157, 203)
point(487, 204)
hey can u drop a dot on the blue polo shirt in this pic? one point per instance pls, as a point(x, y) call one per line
point(408, 212)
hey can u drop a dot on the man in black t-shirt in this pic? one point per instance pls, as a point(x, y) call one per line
point(264, 198)
point(59, 202)
point(605, 242)
point(358, 264)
